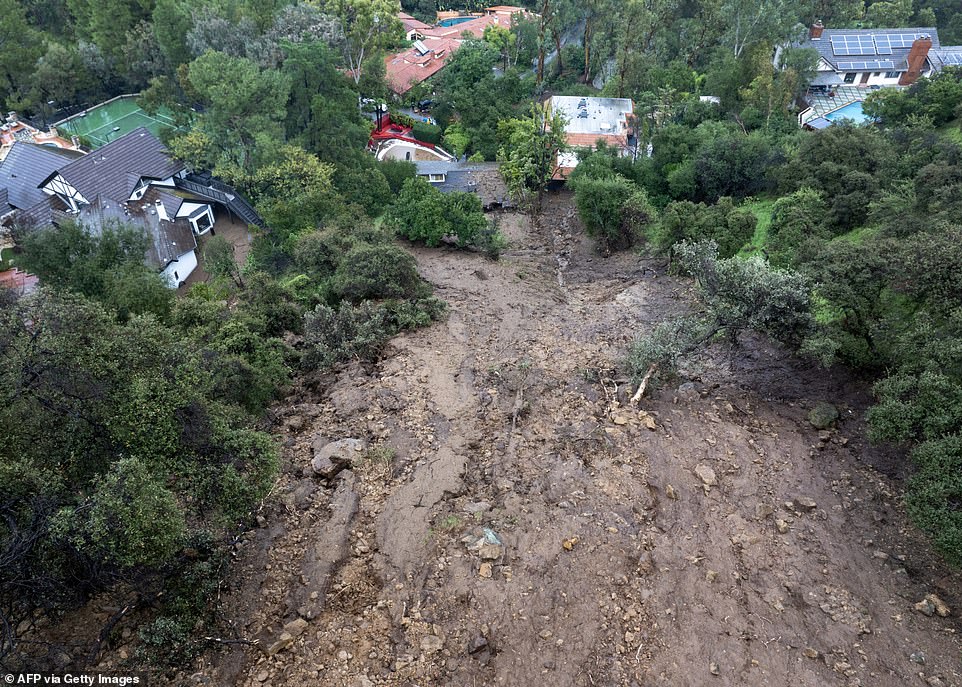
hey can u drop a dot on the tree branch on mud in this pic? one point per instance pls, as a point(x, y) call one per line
point(644, 384)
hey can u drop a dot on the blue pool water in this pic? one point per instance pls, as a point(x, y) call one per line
point(453, 21)
point(851, 111)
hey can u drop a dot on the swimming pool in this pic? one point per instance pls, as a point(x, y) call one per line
point(852, 111)
point(454, 21)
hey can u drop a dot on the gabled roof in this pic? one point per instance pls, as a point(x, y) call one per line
point(946, 56)
point(112, 171)
point(168, 199)
point(26, 166)
point(881, 49)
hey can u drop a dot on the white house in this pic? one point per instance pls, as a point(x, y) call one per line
point(876, 57)
point(132, 180)
point(589, 120)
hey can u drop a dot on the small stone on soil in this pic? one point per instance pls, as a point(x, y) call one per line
point(706, 475)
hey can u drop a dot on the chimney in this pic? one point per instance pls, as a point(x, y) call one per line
point(916, 60)
point(815, 30)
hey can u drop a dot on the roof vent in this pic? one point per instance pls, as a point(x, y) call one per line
point(420, 47)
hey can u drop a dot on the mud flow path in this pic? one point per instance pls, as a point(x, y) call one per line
point(512, 521)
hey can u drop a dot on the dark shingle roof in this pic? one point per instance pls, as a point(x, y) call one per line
point(5, 206)
point(169, 200)
point(113, 171)
point(897, 55)
point(167, 240)
point(26, 166)
point(481, 178)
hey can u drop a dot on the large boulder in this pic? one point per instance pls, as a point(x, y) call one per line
point(332, 457)
point(823, 415)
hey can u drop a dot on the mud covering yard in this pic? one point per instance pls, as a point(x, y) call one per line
point(518, 524)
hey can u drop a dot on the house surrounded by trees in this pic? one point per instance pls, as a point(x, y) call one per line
point(589, 120)
point(132, 180)
point(877, 57)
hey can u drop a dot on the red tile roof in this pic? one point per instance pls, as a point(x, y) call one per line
point(410, 23)
point(407, 68)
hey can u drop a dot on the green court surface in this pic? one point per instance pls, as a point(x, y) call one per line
point(113, 119)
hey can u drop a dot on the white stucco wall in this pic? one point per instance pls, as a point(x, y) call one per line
point(177, 271)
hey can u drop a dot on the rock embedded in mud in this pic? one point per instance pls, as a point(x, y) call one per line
point(671, 493)
point(805, 504)
point(941, 608)
point(431, 644)
point(782, 526)
point(283, 641)
point(332, 457)
point(809, 652)
point(490, 552)
point(823, 415)
point(706, 475)
point(296, 627)
point(486, 570)
point(763, 510)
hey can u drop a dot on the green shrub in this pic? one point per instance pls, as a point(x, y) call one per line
point(350, 332)
point(934, 497)
point(423, 213)
point(429, 133)
point(376, 272)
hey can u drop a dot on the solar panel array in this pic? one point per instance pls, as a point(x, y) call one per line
point(896, 40)
point(868, 66)
point(871, 44)
point(952, 57)
point(856, 44)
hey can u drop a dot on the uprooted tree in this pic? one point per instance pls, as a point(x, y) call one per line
point(736, 295)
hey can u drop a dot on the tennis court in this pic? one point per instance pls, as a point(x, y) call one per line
point(113, 119)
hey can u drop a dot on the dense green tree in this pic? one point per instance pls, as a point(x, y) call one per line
point(365, 27)
point(797, 228)
point(171, 22)
point(108, 267)
point(727, 226)
point(245, 108)
point(529, 152)
point(20, 47)
point(106, 22)
point(423, 213)
point(116, 453)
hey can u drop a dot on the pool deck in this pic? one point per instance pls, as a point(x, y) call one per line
point(822, 104)
point(19, 131)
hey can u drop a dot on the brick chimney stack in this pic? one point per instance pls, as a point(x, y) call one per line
point(916, 60)
point(815, 30)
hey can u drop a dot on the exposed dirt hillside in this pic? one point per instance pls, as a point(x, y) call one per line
point(515, 525)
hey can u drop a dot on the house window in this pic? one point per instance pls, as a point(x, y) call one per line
point(850, 77)
point(176, 276)
point(892, 75)
point(876, 74)
point(436, 177)
point(407, 156)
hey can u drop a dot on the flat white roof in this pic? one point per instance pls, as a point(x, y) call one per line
point(605, 115)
